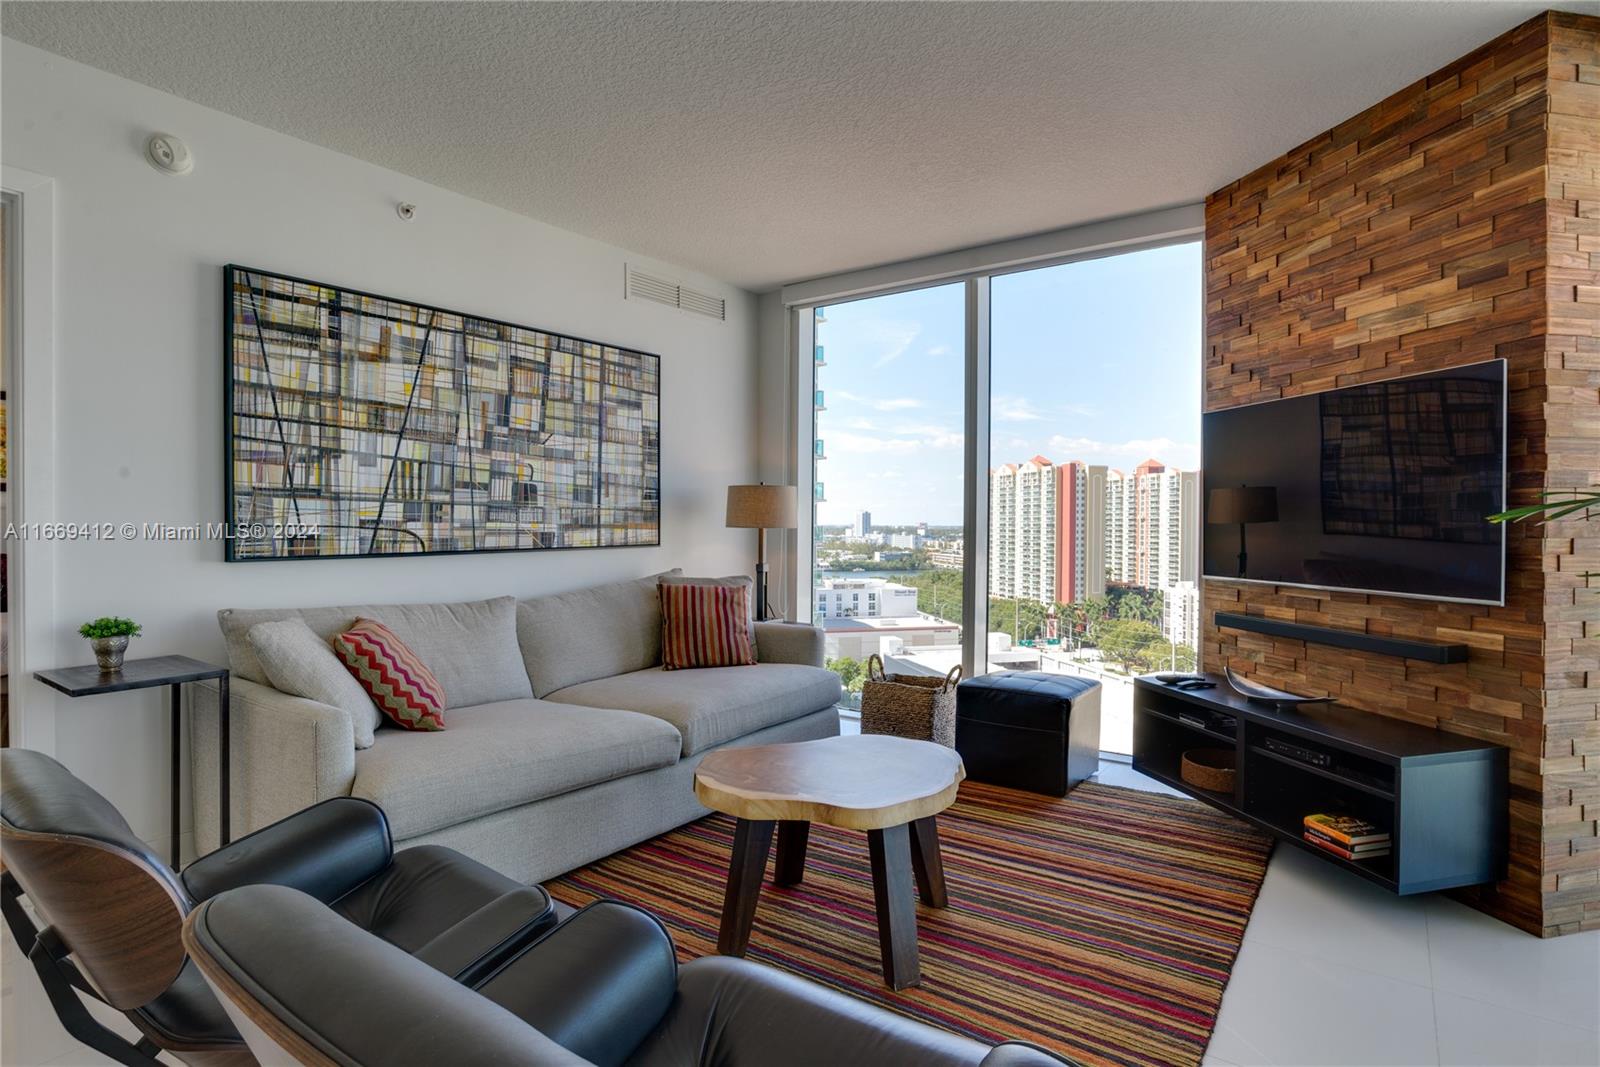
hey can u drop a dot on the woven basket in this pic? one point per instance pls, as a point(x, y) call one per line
point(1209, 768)
point(909, 705)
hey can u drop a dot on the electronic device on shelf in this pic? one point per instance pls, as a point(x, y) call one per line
point(1175, 677)
point(1298, 753)
point(1219, 724)
point(1265, 694)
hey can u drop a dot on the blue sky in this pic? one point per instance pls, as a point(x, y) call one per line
point(1098, 361)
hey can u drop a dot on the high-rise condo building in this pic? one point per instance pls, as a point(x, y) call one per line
point(1045, 537)
point(1059, 532)
point(1180, 614)
point(1151, 534)
point(1023, 523)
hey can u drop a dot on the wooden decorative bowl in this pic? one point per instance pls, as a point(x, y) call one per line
point(1209, 768)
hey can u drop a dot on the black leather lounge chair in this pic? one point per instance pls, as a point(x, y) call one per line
point(113, 911)
point(602, 988)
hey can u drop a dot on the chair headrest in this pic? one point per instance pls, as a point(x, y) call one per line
point(303, 983)
point(115, 904)
point(39, 795)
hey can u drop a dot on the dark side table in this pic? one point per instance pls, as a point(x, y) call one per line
point(171, 671)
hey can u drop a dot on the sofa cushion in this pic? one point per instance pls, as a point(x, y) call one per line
point(705, 623)
point(471, 647)
point(713, 705)
point(298, 662)
point(397, 680)
point(501, 755)
point(573, 637)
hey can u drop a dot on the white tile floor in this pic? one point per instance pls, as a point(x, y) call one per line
point(1336, 971)
point(1333, 971)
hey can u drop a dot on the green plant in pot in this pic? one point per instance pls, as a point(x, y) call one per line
point(108, 636)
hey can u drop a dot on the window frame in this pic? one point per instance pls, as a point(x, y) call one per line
point(975, 268)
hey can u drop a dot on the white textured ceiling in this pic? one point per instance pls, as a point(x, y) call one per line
point(768, 142)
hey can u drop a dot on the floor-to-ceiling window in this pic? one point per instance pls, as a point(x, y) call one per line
point(1094, 472)
point(1084, 378)
point(888, 387)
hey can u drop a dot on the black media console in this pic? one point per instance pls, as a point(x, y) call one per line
point(1441, 796)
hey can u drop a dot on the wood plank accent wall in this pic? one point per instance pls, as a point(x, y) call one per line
point(1456, 221)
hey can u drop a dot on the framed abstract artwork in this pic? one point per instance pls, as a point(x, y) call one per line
point(361, 425)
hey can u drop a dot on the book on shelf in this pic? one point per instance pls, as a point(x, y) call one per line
point(1347, 830)
point(1321, 838)
point(1366, 852)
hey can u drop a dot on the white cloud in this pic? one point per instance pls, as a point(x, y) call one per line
point(931, 434)
point(939, 350)
point(892, 339)
point(893, 403)
point(1125, 453)
point(902, 442)
point(1022, 409)
point(1014, 409)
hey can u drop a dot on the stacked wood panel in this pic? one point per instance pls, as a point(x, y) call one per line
point(1456, 221)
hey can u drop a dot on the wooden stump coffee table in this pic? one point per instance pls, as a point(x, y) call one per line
point(890, 787)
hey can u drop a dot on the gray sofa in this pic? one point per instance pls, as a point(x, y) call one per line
point(565, 740)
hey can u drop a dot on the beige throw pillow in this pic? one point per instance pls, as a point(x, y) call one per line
point(298, 662)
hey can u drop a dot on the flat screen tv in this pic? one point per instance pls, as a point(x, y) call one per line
point(1380, 488)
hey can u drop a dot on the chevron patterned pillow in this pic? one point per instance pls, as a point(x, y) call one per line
point(404, 690)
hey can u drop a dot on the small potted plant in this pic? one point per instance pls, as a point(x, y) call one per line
point(108, 636)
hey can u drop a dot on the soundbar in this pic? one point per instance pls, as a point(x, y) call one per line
point(1427, 651)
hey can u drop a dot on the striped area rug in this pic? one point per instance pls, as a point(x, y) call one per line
point(1102, 925)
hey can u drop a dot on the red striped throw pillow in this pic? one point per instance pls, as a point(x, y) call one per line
point(705, 625)
point(404, 690)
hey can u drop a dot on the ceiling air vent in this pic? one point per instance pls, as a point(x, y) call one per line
point(642, 286)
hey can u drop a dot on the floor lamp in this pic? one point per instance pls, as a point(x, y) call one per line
point(761, 508)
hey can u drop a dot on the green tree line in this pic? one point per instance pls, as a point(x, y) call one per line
point(1124, 623)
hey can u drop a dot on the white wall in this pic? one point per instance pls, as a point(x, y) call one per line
point(139, 375)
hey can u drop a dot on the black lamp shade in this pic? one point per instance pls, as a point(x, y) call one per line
point(1247, 503)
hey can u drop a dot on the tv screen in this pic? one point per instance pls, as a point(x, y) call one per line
point(1381, 488)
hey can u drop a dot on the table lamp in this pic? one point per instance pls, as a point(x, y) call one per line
point(761, 507)
point(1246, 504)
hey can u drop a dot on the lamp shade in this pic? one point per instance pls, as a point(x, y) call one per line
point(1247, 503)
point(762, 507)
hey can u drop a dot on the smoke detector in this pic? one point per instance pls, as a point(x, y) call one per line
point(168, 154)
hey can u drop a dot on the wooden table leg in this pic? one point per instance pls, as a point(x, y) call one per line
point(927, 863)
point(890, 849)
point(791, 866)
point(752, 840)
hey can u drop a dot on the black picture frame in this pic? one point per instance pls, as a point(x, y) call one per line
point(231, 490)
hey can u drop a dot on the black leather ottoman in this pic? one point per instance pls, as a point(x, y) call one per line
point(1029, 730)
